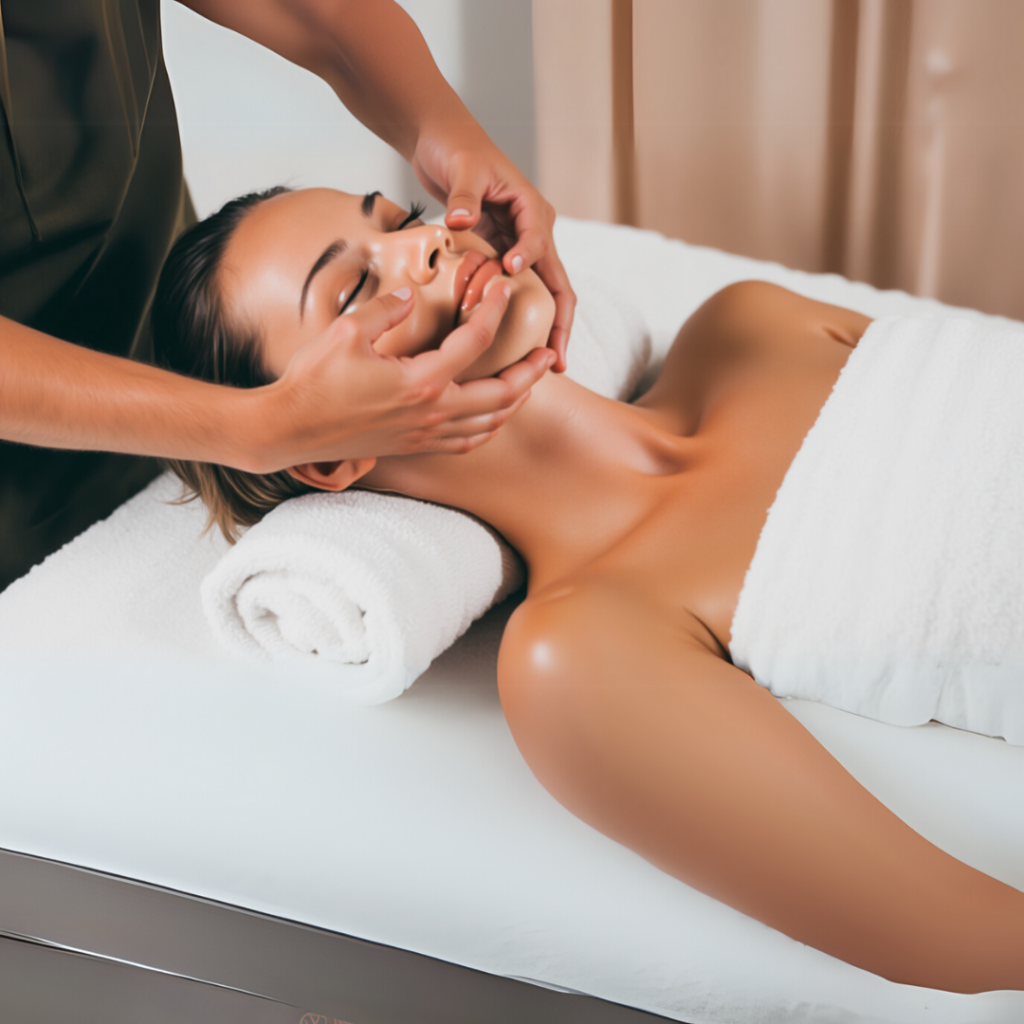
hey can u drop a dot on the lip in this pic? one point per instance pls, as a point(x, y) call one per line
point(473, 275)
point(470, 264)
point(478, 282)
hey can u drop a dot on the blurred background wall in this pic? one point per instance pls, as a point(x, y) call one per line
point(250, 120)
point(882, 139)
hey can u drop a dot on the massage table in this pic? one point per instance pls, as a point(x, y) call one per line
point(187, 837)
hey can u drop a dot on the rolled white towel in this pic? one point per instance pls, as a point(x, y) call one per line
point(373, 587)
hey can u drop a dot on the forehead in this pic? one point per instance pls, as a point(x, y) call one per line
point(271, 250)
point(296, 215)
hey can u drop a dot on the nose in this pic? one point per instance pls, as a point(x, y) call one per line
point(423, 249)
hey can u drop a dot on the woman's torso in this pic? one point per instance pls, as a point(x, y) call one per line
point(742, 385)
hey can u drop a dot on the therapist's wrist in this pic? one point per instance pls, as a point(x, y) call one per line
point(255, 429)
point(275, 427)
point(454, 134)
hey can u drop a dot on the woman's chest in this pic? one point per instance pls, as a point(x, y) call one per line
point(692, 552)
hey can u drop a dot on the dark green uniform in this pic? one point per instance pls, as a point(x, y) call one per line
point(91, 197)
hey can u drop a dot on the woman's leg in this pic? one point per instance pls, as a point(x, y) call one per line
point(644, 733)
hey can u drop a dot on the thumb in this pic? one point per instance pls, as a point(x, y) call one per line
point(464, 201)
point(362, 327)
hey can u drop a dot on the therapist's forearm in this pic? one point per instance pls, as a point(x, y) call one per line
point(57, 395)
point(378, 63)
point(369, 51)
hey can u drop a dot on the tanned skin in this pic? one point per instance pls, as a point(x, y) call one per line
point(341, 399)
point(616, 683)
point(637, 523)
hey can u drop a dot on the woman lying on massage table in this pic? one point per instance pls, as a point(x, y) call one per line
point(637, 524)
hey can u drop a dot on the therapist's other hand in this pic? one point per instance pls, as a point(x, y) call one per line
point(339, 398)
point(486, 193)
point(376, 60)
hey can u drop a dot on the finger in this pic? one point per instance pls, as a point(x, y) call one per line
point(482, 423)
point(558, 341)
point(428, 182)
point(459, 445)
point(533, 218)
point(523, 375)
point(493, 230)
point(552, 273)
point(532, 244)
point(464, 345)
point(468, 187)
point(366, 324)
point(495, 394)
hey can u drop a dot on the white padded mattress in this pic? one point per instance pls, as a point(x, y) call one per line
point(416, 823)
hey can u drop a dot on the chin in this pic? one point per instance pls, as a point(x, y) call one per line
point(525, 326)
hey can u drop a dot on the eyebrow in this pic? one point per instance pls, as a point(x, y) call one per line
point(332, 252)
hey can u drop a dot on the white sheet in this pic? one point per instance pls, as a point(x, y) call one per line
point(416, 823)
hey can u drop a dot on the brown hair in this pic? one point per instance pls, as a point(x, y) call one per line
point(192, 335)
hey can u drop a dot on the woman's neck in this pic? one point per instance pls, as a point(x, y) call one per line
point(561, 480)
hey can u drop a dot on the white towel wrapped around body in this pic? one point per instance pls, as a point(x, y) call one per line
point(373, 587)
point(888, 579)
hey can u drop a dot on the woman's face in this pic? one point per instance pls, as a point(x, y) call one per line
point(301, 259)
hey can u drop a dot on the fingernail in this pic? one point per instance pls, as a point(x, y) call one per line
point(506, 290)
point(402, 294)
point(517, 264)
point(460, 213)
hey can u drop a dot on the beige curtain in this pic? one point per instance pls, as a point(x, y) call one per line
point(883, 139)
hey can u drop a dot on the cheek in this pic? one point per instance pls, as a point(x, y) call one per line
point(528, 321)
point(525, 326)
point(425, 328)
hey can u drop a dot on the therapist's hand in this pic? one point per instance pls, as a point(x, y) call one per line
point(339, 398)
point(376, 60)
point(485, 192)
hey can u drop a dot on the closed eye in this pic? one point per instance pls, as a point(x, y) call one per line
point(355, 291)
point(416, 211)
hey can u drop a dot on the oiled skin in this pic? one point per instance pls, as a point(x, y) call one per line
point(638, 524)
point(616, 684)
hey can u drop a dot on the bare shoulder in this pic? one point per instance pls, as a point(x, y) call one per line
point(595, 629)
point(744, 325)
point(752, 311)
